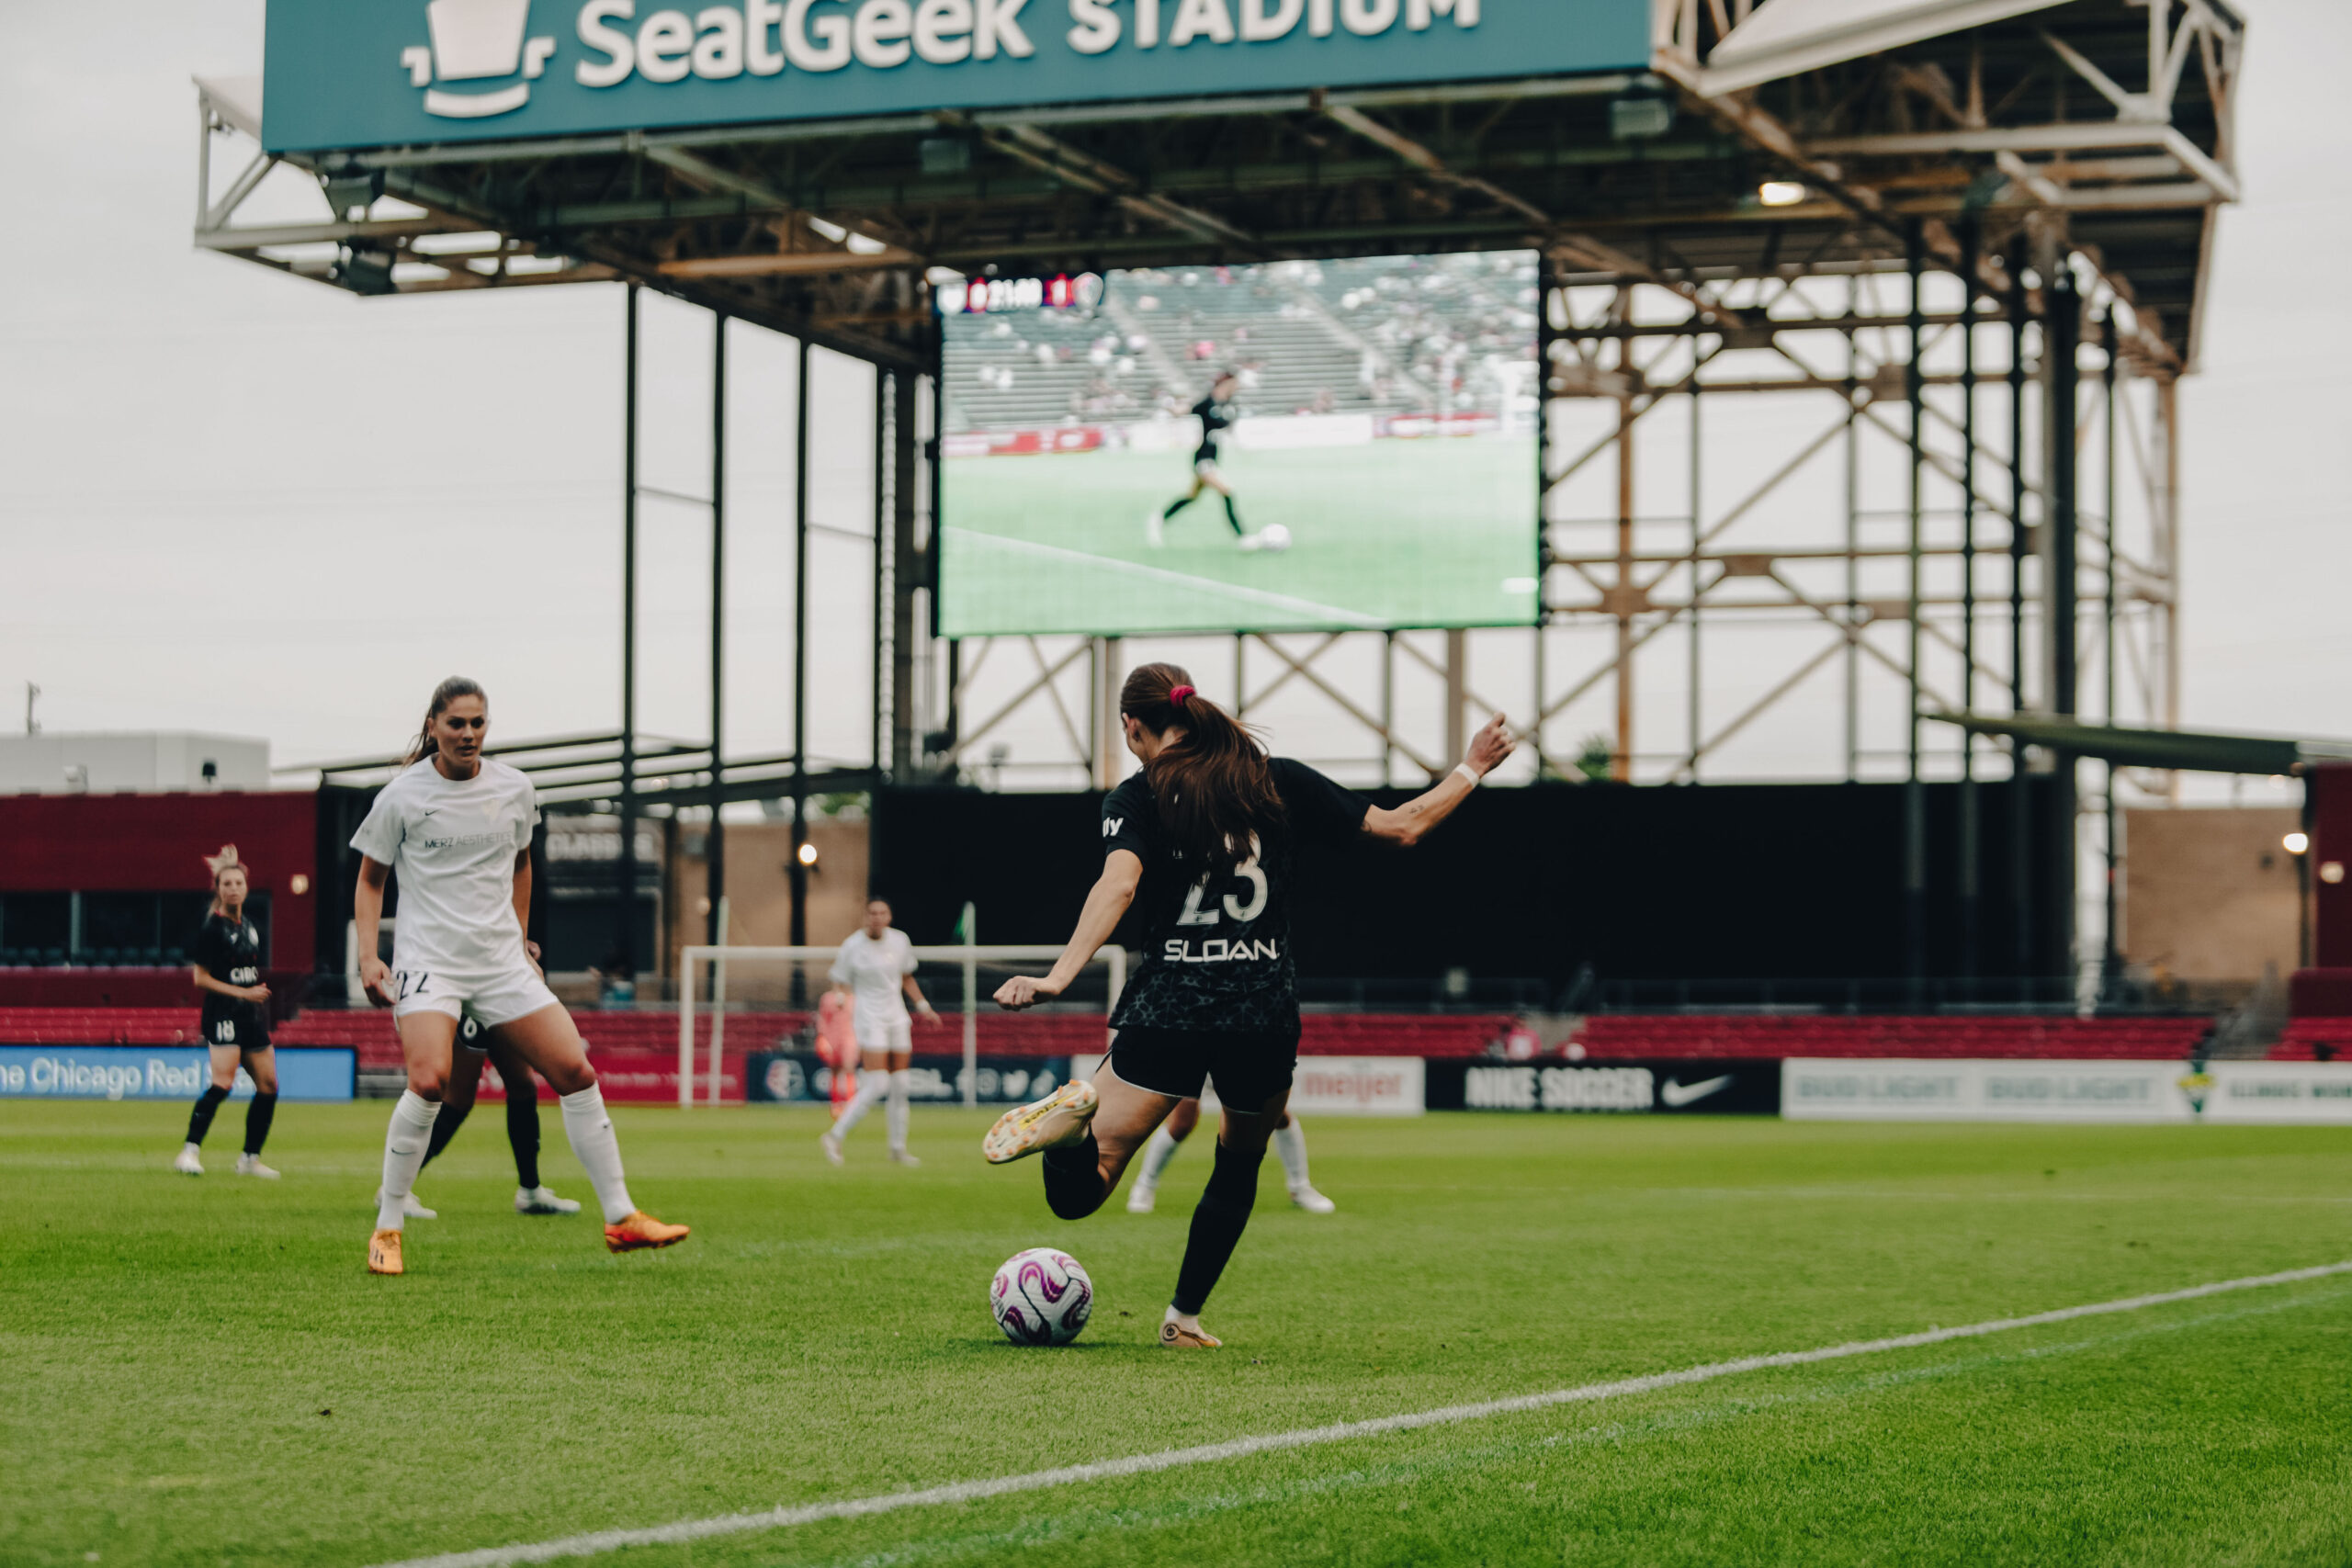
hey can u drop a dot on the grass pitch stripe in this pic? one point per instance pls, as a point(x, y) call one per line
point(1286, 602)
point(685, 1530)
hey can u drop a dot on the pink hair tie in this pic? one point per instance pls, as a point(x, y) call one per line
point(1176, 698)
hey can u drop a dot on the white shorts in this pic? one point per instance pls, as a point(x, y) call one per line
point(489, 997)
point(1206, 467)
point(885, 1033)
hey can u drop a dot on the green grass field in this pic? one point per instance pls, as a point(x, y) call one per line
point(1396, 533)
point(200, 1374)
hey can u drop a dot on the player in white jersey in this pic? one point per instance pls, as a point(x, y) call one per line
point(457, 828)
point(876, 971)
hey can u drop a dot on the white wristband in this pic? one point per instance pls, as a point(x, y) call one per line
point(1469, 775)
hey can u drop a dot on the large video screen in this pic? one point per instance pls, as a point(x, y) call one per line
point(1298, 445)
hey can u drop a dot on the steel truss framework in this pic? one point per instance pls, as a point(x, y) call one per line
point(1985, 268)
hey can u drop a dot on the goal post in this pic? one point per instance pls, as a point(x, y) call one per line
point(979, 971)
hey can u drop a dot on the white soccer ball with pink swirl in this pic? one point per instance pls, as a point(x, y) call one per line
point(1041, 1297)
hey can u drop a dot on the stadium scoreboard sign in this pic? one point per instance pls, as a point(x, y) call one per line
point(352, 73)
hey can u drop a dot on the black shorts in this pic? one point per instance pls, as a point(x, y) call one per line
point(1250, 1067)
point(246, 1029)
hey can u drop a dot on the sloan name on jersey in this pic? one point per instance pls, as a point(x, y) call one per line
point(1217, 949)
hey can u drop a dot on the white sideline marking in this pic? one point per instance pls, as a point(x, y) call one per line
point(1266, 596)
point(1241, 1447)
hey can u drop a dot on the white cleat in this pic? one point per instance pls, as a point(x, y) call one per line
point(1061, 1118)
point(543, 1201)
point(410, 1207)
point(902, 1157)
point(1154, 530)
point(1248, 542)
point(186, 1162)
point(1311, 1201)
point(832, 1145)
point(250, 1165)
point(1142, 1197)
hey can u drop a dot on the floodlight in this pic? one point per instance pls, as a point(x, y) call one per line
point(809, 854)
point(353, 191)
point(298, 884)
point(2297, 843)
point(362, 270)
point(1779, 193)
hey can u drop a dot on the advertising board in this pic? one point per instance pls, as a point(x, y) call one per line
point(389, 72)
point(1332, 444)
point(163, 1072)
point(798, 1077)
point(1674, 1088)
point(1841, 1090)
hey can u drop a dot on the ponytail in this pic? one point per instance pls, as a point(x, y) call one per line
point(448, 692)
point(1212, 783)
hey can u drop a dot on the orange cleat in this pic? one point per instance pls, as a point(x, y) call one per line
point(1175, 1337)
point(642, 1230)
point(384, 1254)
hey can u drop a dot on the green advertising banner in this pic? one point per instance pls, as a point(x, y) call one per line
point(346, 73)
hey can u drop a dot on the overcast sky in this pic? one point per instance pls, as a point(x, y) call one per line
point(230, 500)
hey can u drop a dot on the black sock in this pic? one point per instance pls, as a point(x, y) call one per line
point(199, 1120)
point(445, 1122)
point(1175, 506)
point(1233, 515)
point(523, 1129)
point(1217, 1224)
point(259, 1116)
point(1074, 1179)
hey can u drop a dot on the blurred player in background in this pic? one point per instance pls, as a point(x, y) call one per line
point(236, 1029)
point(1290, 1147)
point(457, 826)
point(875, 972)
point(1205, 839)
point(1217, 415)
point(837, 1048)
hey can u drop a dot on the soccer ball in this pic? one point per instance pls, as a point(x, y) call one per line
point(1041, 1297)
point(1277, 538)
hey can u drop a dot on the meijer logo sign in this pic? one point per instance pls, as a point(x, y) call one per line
point(370, 72)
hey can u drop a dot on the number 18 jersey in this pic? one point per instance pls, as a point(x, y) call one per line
point(1217, 945)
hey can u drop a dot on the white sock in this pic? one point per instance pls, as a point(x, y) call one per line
point(594, 1145)
point(190, 1149)
point(1156, 1153)
point(871, 1088)
point(404, 1141)
point(895, 1117)
point(1289, 1143)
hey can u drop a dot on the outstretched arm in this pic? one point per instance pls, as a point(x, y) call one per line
point(1409, 823)
point(1114, 891)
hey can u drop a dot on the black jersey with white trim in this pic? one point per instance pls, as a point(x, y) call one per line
point(228, 951)
point(1217, 947)
point(1216, 419)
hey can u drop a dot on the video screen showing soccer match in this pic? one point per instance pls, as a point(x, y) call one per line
point(1299, 446)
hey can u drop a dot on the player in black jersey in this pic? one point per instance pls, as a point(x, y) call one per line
point(1217, 415)
point(236, 1029)
point(1205, 840)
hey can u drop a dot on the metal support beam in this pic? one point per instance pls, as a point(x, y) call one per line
point(625, 863)
point(1971, 873)
point(800, 870)
point(716, 853)
point(2062, 376)
point(1914, 797)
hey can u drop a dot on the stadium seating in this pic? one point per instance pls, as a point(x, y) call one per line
point(2315, 1040)
point(1783, 1035)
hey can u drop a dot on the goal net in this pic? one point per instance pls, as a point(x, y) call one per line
point(960, 982)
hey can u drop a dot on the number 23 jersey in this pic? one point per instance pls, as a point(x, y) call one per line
point(1217, 946)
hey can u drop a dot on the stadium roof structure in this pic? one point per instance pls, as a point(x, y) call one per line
point(2104, 122)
